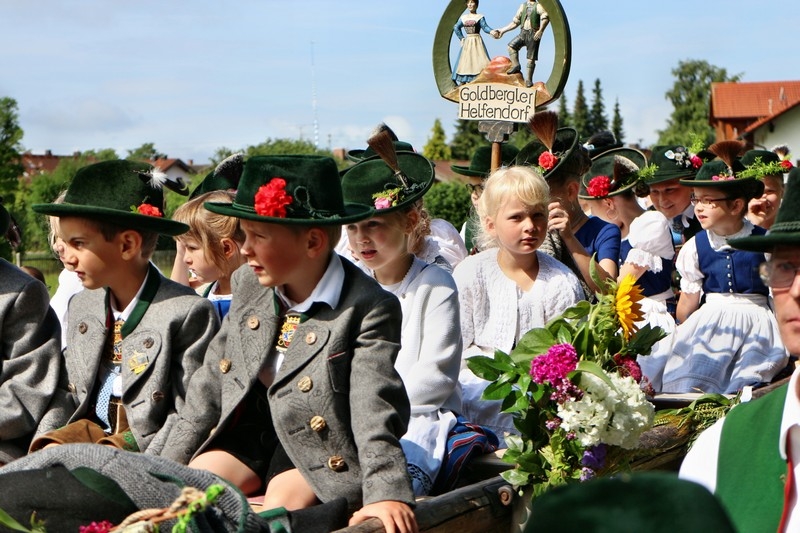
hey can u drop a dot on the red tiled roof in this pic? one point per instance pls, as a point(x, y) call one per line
point(36, 164)
point(758, 123)
point(165, 164)
point(757, 100)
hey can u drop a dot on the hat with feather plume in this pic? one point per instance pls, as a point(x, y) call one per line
point(552, 145)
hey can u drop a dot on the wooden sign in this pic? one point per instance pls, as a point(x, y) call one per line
point(495, 101)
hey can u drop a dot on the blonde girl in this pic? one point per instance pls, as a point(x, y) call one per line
point(510, 287)
point(210, 249)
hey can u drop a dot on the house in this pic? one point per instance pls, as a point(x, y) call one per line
point(175, 169)
point(764, 114)
point(33, 164)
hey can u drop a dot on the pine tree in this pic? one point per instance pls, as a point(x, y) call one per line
point(597, 116)
point(616, 124)
point(436, 148)
point(466, 139)
point(580, 113)
point(564, 118)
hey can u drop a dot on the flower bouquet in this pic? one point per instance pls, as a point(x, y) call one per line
point(575, 390)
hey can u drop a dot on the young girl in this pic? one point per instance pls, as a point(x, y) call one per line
point(210, 249)
point(430, 352)
point(510, 287)
point(575, 239)
point(732, 340)
point(646, 249)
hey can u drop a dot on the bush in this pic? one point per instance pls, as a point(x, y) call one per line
point(450, 201)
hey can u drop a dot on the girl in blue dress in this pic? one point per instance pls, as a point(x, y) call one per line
point(732, 339)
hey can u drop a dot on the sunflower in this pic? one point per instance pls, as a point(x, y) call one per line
point(627, 306)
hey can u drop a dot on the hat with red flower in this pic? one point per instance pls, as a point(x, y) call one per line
point(612, 173)
point(481, 163)
point(785, 231)
point(727, 173)
point(129, 194)
point(760, 163)
point(551, 146)
point(675, 162)
point(390, 180)
point(297, 190)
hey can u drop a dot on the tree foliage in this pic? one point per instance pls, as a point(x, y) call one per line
point(270, 146)
point(616, 124)
point(449, 201)
point(466, 139)
point(436, 148)
point(690, 98)
point(580, 113)
point(145, 152)
point(10, 148)
point(564, 117)
point(597, 114)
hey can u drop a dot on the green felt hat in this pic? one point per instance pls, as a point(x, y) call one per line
point(119, 192)
point(786, 228)
point(481, 163)
point(600, 143)
point(673, 162)
point(760, 163)
point(366, 153)
point(656, 502)
point(565, 142)
point(612, 173)
point(300, 190)
point(719, 175)
point(372, 182)
point(5, 220)
point(225, 176)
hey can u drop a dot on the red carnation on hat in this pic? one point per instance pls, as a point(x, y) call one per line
point(149, 210)
point(696, 161)
point(787, 165)
point(599, 186)
point(271, 199)
point(547, 160)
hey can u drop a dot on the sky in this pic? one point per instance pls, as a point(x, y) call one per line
point(192, 76)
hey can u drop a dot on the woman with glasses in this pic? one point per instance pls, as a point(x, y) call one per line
point(732, 339)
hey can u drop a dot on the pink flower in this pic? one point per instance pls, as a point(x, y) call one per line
point(787, 165)
point(547, 160)
point(553, 367)
point(149, 210)
point(95, 527)
point(722, 178)
point(383, 203)
point(696, 161)
point(599, 186)
point(271, 199)
point(627, 366)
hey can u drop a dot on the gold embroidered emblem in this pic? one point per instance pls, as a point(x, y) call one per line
point(138, 362)
point(288, 328)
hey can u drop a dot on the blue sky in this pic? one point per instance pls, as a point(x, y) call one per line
point(195, 75)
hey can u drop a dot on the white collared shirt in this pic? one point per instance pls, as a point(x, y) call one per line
point(700, 464)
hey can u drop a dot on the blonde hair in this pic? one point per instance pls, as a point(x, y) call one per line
point(52, 222)
point(521, 182)
point(208, 229)
point(416, 241)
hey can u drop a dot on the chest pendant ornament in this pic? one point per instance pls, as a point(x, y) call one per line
point(288, 328)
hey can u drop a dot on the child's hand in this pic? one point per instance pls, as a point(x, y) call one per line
point(559, 220)
point(397, 517)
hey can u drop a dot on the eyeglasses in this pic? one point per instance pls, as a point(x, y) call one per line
point(474, 189)
point(707, 202)
point(778, 275)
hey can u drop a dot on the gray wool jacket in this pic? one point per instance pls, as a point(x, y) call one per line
point(340, 367)
point(158, 358)
point(30, 358)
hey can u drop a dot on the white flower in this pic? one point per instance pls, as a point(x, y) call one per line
point(615, 415)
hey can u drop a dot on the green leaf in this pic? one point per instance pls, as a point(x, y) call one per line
point(497, 391)
point(8, 521)
point(644, 339)
point(577, 311)
point(535, 342)
point(590, 367)
point(516, 477)
point(484, 367)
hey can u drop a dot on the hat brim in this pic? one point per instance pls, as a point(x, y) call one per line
point(765, 243)
point(756, 186)
point(352, 213)
point(356, 155)
point(125, 219)
point(466, 171)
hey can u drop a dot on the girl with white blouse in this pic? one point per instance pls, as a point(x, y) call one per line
point(510, 287)
point(430, 351)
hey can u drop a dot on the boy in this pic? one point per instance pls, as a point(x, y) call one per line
point(134, 338)
point(30, 357)
point(316, 413)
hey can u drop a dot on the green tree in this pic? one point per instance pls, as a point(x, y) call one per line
point(449, 201)
point(145, 152)
point(564, 118)
point(466, 139)
point(597, 115)
point(580, 113)
point(616, 124)
point(436, 148)
point(10, 147)
point(690, 96)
